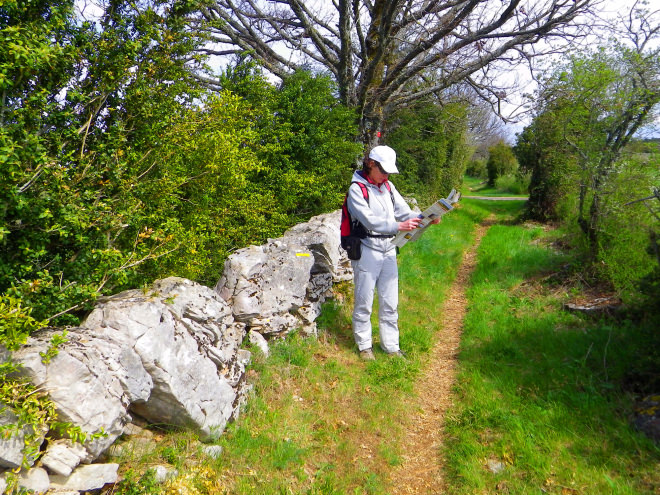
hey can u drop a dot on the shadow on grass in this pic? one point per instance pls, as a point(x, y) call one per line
point(541, 390)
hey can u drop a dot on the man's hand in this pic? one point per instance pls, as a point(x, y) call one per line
point(409, 224)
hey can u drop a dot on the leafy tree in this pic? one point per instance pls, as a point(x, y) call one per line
point(201, 198)
point(310, 168)
point(540, 149)
point(252, 161)
point(430, 140)
point(476, 167)
point(501, 161)
point(589, 111)
point(584, 172)
point(82, 107)
point(307, 137)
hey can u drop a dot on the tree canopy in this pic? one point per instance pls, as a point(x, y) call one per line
point(117, 167)
point(584, 173)
point(587, 112)
point(501, 161)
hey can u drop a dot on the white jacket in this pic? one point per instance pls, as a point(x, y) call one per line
point(380, 216)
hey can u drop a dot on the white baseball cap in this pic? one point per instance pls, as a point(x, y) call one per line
point(386, 156)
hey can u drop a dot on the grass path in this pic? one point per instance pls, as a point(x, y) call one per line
point(421, 469)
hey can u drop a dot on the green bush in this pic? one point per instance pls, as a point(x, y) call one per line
point(430, 141)
point(134, 484)
point(82, 114)
point(143, 174)
point(624, 255)
point(306, 139)
point(255, 160)
point(517, 183)
point(539, 150)
point(501, 162)
point(476, 167)
point(16, 322)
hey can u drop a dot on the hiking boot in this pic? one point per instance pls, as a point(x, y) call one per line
point(367, 355)
point(398, 353)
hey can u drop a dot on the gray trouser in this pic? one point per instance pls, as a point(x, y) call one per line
point(376, 270)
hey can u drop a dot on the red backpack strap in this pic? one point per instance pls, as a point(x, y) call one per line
point(345, 215)
point(365, 191)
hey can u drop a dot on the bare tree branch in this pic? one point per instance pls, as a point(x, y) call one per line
point(378, 50)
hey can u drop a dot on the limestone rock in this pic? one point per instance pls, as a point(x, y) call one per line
point(188, 344)
point(239, 285)
point(163, 473)
point(88, 477)
point(62, 457)
point(213, 451)
point(170, 354)
point(265, 284)
point(4, 354)
point(87, 380)
point(321, 236)
point(11, 449)
point(35, 479)
point(646, 417)
point(133, 430)
point(280, 286)
point(278, 324)
point(258, 340)
point(495, 466)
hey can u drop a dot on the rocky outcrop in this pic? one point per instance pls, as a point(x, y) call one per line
point(11, 448)
point(172, 354)
point(281, 285)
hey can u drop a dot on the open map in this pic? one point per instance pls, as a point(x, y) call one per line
point(436, 210)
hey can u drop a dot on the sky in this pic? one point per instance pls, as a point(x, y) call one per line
point(608, 9)
point(520, 78)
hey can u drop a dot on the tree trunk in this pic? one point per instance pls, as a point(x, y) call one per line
point(371, 128)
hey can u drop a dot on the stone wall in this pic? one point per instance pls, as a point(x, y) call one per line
point(172, 354)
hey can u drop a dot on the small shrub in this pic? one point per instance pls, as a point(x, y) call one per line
point(517, 183)
point(476, 167)
point(133, 484)
point(16, 322)
point(501, 161)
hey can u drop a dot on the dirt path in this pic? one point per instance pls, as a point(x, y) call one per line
point(421, 469)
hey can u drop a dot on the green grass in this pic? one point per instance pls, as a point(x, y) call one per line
point(538, 389)
point(321, 420)
point(475, 186)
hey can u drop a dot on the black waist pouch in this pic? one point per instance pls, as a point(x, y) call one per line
point(353, 246)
